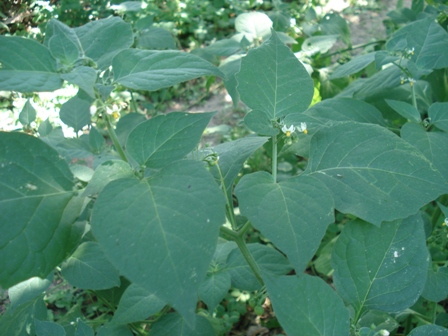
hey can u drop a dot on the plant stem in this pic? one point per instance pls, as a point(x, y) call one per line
point(414, 99)
point(133, 102)
point(113, 136)
point(249, 258)
point(229, 203)
point(274, 158)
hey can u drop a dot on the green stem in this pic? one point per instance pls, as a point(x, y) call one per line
point(274, 158)
point(249, 259)
point(133, 103)
point(113, 136)
point(414, 99)
point(229, 203)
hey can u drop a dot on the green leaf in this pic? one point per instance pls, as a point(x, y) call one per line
point(405, 110)
point(47, 328)
point(214, 288)
point(62, 42)
point(376, 320)
point(136, 304)
point(319, 44)
point(76, 111)
point(267, 258)
point(37, 196)
point(174, 324)
point(230, 67)
point(332, 24)
point(126, 124)
point(81, 172)
point(436, 287)
point(45, 128)
point(153, 70)
point(274, 81)
point(166, 138)
point(111, 330)
point(383, 57)
point(108, 171)
point(260, 123)
point(439, 116)
point(28, 290)
point(88, 268)
point(353, 66)
point(156, 38)
point(381, 268)
point(307, 303)
point(102, 39)
point(28, 114)
point(429, 330)
point(26, 66)
point(431, 144)
point(253, 25)
point(293, 214)
point(381, 81)
point(429, 40)
point(20, 321)
point(232, 156)
point(224, 47)
point(371, 172)
point(167, 244)
point(84, 77)
point(83, 329)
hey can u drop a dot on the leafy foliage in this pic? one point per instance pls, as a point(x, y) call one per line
point(334, 215)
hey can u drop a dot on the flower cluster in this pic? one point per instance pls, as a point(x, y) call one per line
point(291, 129)
point(407, 79)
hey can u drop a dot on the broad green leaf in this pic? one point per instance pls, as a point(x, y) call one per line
point(136, 304)
point(371, 172)
point(88, 268)
point(436, 287)
point(20, 321)
point(405, 110)
point(84, 77)
point(381, 268)
point(81, 172)
point(332, 24)
point(253, 25)
point(293, 214)
point(431, 144)
point(224, 47)
point(174, 324)
point(28, 290)
point(108, 171)
point(429, 330)
point(26, 66)
point(267, 258)
point(319, 44)
point(45, 128)
point(172, 224)
point(427, 39)
point(214, 288)
point(153, 70)
point(126, 124)
point(156, 38)
point(76, 111)
point(111, 330)
point(307, 304)
point(62, 42)
point(232, 156)
point(383, 80)
point(28, 114)
point(48, 328)
point(82, 329)
point(353, 66)
point(102, 39)
point(376, 320)
point(259, 122)
point(383, 58)
point(438, 114)
point(274, 81)
point(166, 138)
point(36, 195)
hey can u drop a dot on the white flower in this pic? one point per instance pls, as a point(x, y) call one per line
point(288, 130)
point(445, 222)
point(302, 128)
point(383, 332)
point(92, 110)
